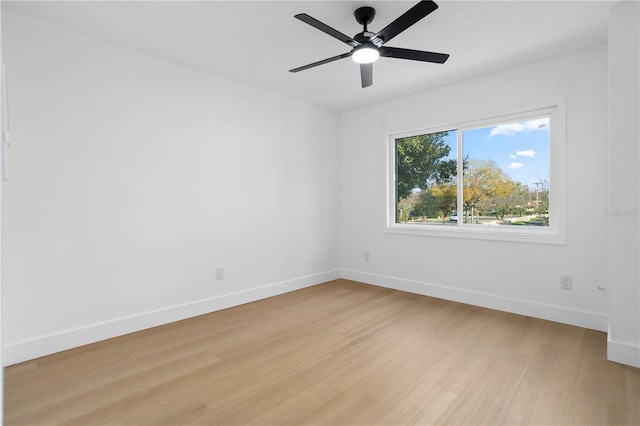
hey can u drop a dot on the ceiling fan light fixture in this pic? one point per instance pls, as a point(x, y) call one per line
point(365, 55)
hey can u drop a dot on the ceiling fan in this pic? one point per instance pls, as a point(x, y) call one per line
point(367, 47)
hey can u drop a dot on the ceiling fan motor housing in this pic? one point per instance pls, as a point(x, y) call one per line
point(364, 15)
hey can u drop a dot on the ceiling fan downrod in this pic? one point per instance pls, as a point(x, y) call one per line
point(364, 16)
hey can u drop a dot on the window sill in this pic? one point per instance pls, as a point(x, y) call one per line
point(481, 232)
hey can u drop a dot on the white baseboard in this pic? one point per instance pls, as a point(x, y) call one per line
point(590, 320)
point(624, 353)
point(46, 345)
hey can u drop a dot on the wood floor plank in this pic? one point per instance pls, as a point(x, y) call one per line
point(95, 397)
point(423, 404)
point(632, 414)
point(487, 398)
point(545, 389)
point(340, 353)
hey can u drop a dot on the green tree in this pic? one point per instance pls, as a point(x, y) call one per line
point(488, 187)
point(445, 198)
point(518, 199)
point(502, 196)
point(482, 180)
point(406, 206)
point(519, 211)
point(422, 160)
point(541, 195)
point(425, 205)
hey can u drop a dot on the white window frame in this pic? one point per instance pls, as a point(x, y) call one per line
point(555, 233)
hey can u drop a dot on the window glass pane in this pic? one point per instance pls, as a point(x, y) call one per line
point(506, 174)
point(426, 178)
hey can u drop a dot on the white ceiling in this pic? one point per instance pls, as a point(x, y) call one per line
point(257, 42)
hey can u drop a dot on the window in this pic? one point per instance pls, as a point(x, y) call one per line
point(497, 178)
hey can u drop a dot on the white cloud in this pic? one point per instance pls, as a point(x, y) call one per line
point(528, 153)
point(522, 126)
point(514, 166)
point(513, 156)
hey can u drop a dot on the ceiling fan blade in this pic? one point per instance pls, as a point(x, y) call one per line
point(414, 55)
point(324, 61)
point(406, 20)
point(366, 74)
point(327, 29)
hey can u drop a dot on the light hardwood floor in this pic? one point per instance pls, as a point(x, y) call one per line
point(340, 353)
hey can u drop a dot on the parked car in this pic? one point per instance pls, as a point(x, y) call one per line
point(453, 217)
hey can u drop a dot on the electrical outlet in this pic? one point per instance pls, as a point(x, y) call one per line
point(219, 273)
point(367, 256)
point(566, 282)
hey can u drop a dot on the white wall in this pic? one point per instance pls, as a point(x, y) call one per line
point(133, 178)
point(517, 277)
point(624, 183)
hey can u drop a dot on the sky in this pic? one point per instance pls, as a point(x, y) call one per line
point(520, 149)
